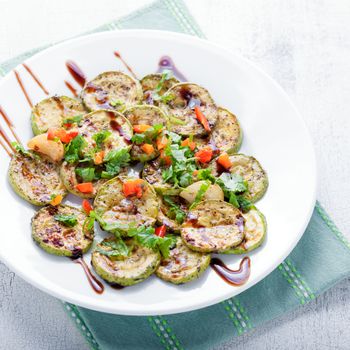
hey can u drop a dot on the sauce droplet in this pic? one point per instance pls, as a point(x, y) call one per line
point(76, 72)
point(19, 80)
point(72, 89)
point(233, 277)
point(28, 69)
point(166, 62)
point(118, 55)
point(96, 285)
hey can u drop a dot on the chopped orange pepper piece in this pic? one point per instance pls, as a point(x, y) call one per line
point(56, 200)
point(98, 158)
point(165, 159)
point(86, 206)
point(62, 134)
point(204, 155)
point(147, 148)
point(201, 118)
point(224, 161)
point(85, 187)
point(190, 144)
point(133, 187)
point(162, 141)
point(140, 128)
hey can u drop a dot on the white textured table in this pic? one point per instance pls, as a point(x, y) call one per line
point(305, 46)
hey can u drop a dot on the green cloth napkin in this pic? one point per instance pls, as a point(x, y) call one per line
point(321, 259)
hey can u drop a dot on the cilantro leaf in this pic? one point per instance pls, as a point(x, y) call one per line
point(148, 136)
point(73, 120)
point(205, 174)
point(114, 161)
point(100, 137)
point(20, 149)
point(116, 103)
point(232, 182)
point(175, 211)
point(66, 219)
point(86, 174)
point(74, 149)
point(115, 248)
point(201, 192)
point(244, 203)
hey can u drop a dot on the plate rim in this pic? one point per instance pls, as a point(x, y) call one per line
point(174, 310)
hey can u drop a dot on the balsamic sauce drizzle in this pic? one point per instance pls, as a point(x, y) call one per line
point(9, 124)
point(233, 277)
point(166, 62)
point(118, 55)
point(75, 71)
point(95, 284)
point(72, 89)
point(19, 80)
point(28, 69)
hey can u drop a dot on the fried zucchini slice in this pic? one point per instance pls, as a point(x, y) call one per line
point(51, 112)
point(105, 120)
point(227, 134)
point(152, 173)
point(183, 265)
point(70, 181)
point(251, 171)
point(35, 179)
point(112, 204)
point(135, 268)
point(112, 90)
point(214, 191)
point(254, 232)
point(150, 82)
point(57, 238)
point(181, 108)
point(213, 226)
point(170, 217)
point(146, 115)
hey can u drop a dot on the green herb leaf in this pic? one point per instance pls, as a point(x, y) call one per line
point(20, 149)
point(205, 174)
point(148, 136)
point(114, 161)
point(201, 192)
point(232, 182)
point(100, 137)
point(86, 174)
point(73, 120)
point(66, 219)
point(244, 203)
point(175, 211)
point(74, 149)
point(116, 103)
point(113, 248)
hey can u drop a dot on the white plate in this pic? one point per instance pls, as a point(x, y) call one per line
point(273, 132)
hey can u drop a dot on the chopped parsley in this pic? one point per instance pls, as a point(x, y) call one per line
point(115, 248)
point(69, 220)
point(174, 210)
point(115, 160)
point(148, 136)
point(100, 137)
point(73, 120)
point(20, 149)
point(201, 192)
point(74, 149)
point(180, 172)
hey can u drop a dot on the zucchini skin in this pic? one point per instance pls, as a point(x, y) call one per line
point(57, 249)
point(17, 179)
point(112, 272)
point(170, 271)
point(240, 249)
point(71, 107)
point(104, 81)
